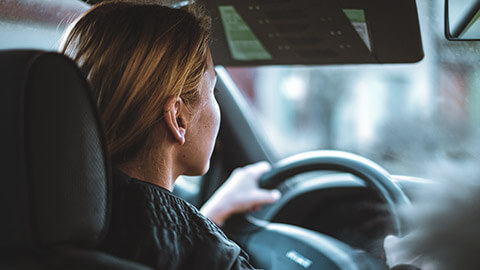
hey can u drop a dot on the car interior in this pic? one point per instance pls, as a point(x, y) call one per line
point(300, 84)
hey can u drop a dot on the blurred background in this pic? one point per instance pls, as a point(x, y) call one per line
point(413, 119)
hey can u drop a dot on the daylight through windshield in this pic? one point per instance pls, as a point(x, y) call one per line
point(411, 118)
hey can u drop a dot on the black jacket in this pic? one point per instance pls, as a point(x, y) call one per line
point(152, 226)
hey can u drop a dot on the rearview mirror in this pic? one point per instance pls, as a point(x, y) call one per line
point(462, 19)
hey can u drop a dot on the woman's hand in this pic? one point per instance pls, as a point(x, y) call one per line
point(240, 193)
point(395, 253)
point(398, 252)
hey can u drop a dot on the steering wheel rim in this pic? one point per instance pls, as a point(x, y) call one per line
point(370, 172)
point(244, 227)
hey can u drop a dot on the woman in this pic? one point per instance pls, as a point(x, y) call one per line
point(152, 72)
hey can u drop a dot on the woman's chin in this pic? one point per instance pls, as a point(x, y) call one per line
point(198, 171)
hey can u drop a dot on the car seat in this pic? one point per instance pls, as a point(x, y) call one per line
point(54, 194)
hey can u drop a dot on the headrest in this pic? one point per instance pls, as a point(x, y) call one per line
point(54, 170)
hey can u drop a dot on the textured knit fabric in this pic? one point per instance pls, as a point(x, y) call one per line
point(152, 226)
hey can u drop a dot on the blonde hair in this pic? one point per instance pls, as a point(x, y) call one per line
point(135, 57)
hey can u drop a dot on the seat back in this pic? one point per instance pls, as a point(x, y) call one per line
point(54, 192)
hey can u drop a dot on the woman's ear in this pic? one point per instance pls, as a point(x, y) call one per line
point(176, 118)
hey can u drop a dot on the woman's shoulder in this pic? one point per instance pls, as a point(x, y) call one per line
point(153, 226)
point(163, 208)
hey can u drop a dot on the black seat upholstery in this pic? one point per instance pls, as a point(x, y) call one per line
point(54, 194)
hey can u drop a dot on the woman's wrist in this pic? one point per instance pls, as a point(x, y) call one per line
point(213, 210)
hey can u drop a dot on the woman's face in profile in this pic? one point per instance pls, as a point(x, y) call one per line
point(203, 131)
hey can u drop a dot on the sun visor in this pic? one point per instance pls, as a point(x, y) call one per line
point(312, 32)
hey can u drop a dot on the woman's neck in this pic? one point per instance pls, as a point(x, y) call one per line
point(155, 170)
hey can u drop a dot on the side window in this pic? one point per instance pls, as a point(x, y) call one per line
point(36, 24)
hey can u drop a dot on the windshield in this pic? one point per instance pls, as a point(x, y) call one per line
point(410, 118)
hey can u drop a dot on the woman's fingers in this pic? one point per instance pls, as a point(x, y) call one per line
point(267, 196)
point(240, 193)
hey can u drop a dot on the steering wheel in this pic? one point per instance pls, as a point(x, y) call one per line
point(282, 246)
